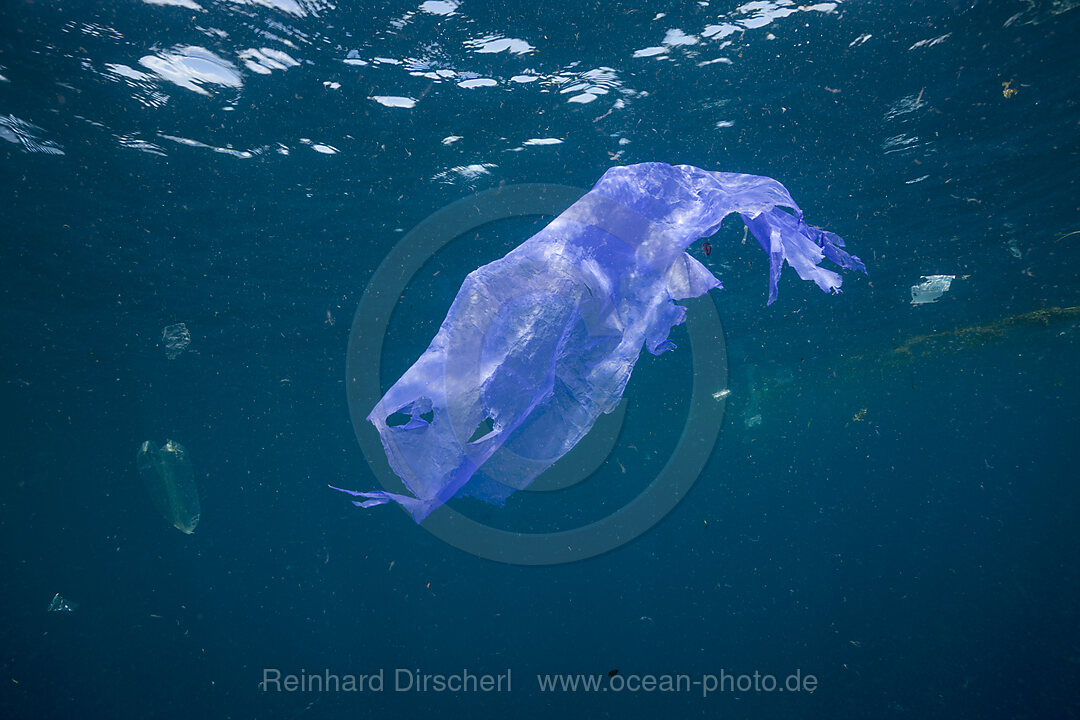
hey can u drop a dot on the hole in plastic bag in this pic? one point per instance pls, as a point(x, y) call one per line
point(416, 414)
point(482, 430)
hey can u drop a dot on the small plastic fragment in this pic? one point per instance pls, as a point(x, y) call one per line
point(176, 339)
point(540, 342)
point(170, 480)
point(930, 289)
point(61, 604)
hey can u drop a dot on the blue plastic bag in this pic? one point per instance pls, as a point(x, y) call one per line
point(540, 342)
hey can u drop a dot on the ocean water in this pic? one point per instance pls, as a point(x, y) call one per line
point(889, 505)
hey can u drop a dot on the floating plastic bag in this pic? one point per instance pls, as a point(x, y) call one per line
point(540, 342)
point(931, 288)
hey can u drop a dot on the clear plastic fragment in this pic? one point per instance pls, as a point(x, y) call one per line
point(930, 289)
point(176, 339)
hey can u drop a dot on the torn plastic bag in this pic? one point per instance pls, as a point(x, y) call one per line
point(540, 342)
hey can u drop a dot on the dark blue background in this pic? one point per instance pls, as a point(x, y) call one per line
point(920, 561)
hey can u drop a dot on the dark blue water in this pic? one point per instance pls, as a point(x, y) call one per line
point(900, 525)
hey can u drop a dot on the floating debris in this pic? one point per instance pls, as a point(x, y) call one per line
point(931, 288)
point(60, 604)
point(977, 335)
point(176, 338)
point(1014, 248)
point(170, 480)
